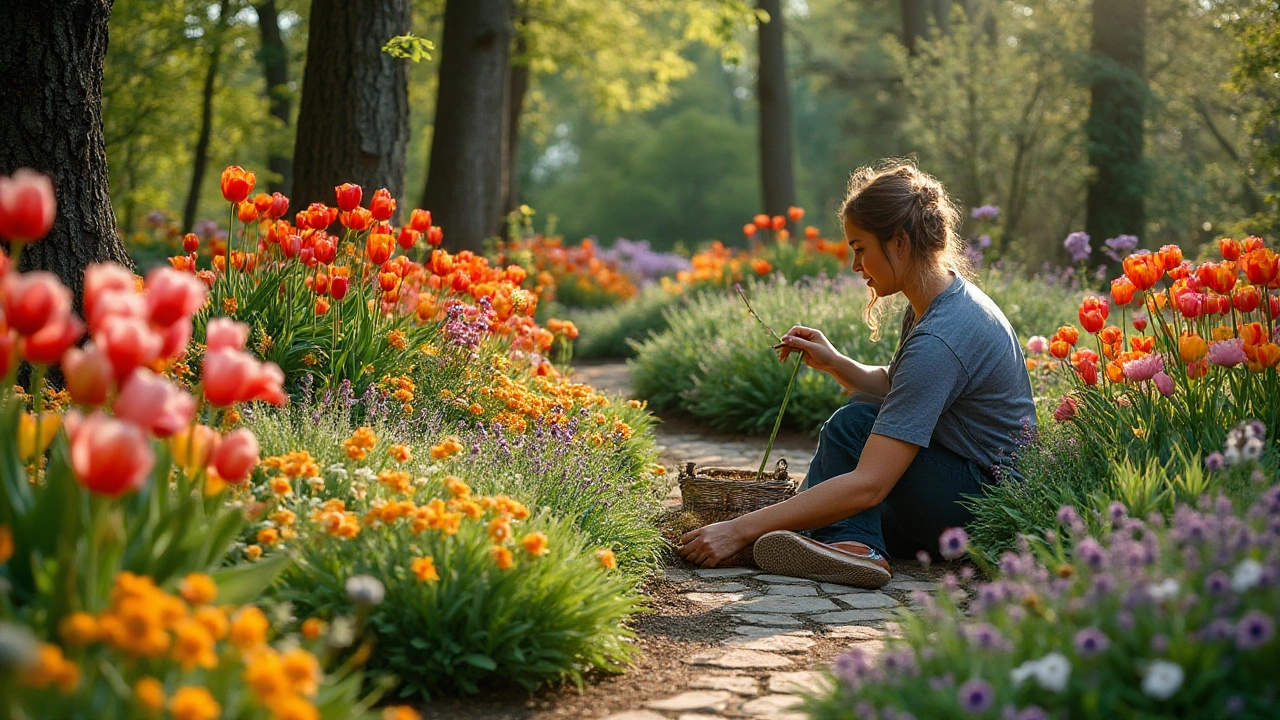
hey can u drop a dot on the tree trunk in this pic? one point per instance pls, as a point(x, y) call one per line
point(275, 69)
point(353, 121)
point(1118, 96)
point(519, 85)
point(51, 57)
point(942, 15)
point(915, 23)
point(464, 177)
point(201, 158)
point(777, 171)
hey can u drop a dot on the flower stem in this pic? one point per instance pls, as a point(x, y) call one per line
point(778, 422)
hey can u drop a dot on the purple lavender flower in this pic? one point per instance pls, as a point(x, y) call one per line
point(1217, 583)
point(1091, 641)
point(984, 241)
point(1255, 629)
point(985, 212)
point(1120, 246)
point(1077, 243)
point(986, 636)
point(976, 696)
point(155, 218)
point(1033, 712)
point(1215, 462)
point(1090, 551)
point(1117, 511)
point(953, 543)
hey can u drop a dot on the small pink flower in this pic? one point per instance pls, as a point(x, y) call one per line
point(1164, 384)
point(225, 333)
point(172, 295)
point(1227, 353)
point(152, 402)
point(1144, 368)
point(27, 205)
point(1038, 344)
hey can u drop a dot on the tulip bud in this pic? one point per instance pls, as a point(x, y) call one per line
point(152, 402)
point(47, 346)
point(338, 287)
point(27, 206)
point(435, 235)
point(237, 183)
point(224, 332)
point(35, 299)
point(236, 456)
point(87, 374)
point(109, 456)
point(190, 242)
point(420, 220)
point(348, 195)
point(172, 295)
point(408, 238)
point(382, 206)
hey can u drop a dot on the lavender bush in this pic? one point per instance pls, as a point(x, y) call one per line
point(637, 259)
point(1148, 619)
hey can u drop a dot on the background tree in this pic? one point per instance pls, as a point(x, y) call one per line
point(51, 55)
point(773, 94)
point(1117, 107)
point(200, 157)
point(353, 121)
point(274, 57)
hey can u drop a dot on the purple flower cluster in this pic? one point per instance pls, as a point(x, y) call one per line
point(1120, 247)
point(637, 259)
point(465, 325)
point(1077, 243)
point(985, 212)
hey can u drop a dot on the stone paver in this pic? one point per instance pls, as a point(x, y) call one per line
point(718, 587)
point(773, 604)
point(783, 579)
point(757, 631)
point(845, 617)
point(907, 585)
point(723, 572)
point(804, 681)
point(699, 716)
point(792, 590)
point(855, 632)
point(740, 660)
point(834, 589)
point(717, 599)
point(736, 684)
point(713, 700)
point(772, 620)
point(867, 600)
point(635, 715)
point(773, 643)
point(677, 575)
point(772, 706)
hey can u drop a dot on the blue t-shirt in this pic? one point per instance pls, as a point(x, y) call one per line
point(959, 379)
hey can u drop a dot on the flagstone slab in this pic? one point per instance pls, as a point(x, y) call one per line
point(804, 681)
point(740, 660)
point(723, 587)
point(717, 599)
point(723, 572)
point(792, 590)
point(773, 643)
point(845, 617)
point(772, 706)
point(713, 700)
point(835, 589)
point(867, 600)
point(736, 684)
point(775, 604)
point(784, 580)
point(906, 585)
point(699, 716)
point(855, 632)
point(757, 631)
point(676, 575)
point(771, 619)
point(635, 715)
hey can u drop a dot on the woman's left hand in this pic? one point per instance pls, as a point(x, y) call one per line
point(713, 544)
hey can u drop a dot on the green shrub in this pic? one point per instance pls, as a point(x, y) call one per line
point(1144, 620)
point(612, 332)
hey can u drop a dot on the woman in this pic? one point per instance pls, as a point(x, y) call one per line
point(918, 435)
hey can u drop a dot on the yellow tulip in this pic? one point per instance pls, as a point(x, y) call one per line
point(28, 431)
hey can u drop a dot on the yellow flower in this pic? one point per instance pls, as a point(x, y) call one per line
point(253, 552)
point(425, 569)
point(400, 712)
point(303, 672)
point(249, 628)
point(198, 589)
point(400, 453)
point(230, 418)
point(229, 306)
point(149, 693)
point(607, 558)
point(284, 517)
point(214, 621)
point(194, 703)
point(292, 707)
point(503, 557)
point(312, 628)
point(499, 530)
point(395, 339)
point(446, 449)
point(457, 487)
point(78, 628)
point(28, 430)
point(265, 675)
point(268, 536)
point(535, 543)
point(194, 646)
point(6, 544)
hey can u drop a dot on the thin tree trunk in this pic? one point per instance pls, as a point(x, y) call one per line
point(51, 56)
point(942, 15)
point(915, 23)
point(275, 69)
point(777, 171)
point(201, 159)
point(519, 85)
point(353, 121)
point(1118, 96)
point(464, 176)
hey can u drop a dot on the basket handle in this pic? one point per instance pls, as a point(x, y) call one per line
point(689, 470)
point(780, 472)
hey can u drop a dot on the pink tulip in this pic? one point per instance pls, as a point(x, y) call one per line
point(8, 341)
point(1164, 384)
point(128, 343)
point(1144, 368)
point(225, 333)
point(1227, 353)
point(172, 295)
point(266, 385)
point(35, 299)
point(176, 339)
point(152, 402)
point(116, 303)
point(1038, 344)
point(27, 206)
point(109, 456)
point(236, 456)
point(101, 279)
point(227, 373)
point(47, 346)
point(87, 374)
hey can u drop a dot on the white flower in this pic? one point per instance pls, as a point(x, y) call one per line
point(1252, 449)
point(1162, 680)
point(1246, 575)
point(1053, 671)
point(1022, 672)
point(343, 632)
point(1231, 455)
point(1166, 590)
point(315, 483)
point(366, 474)
point(337, 469)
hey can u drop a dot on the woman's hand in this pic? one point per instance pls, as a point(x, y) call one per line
point(818, 352)
point(713, 544)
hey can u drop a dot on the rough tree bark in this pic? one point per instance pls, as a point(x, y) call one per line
point(518, 85)
point(777, 164)
point(915, 22)
point(51, 57)
point(464, 176)
point(200, 159)
point(275, 69)
point(1118, 97)
point(353, 120)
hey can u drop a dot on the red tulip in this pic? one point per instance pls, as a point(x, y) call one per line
point(87, 374)
point(128, 343)
point(225, 333)
point(1230, 248)
point(278, 207)
point(34, 300)
point(109, 456)
point(1093, 314)
point(338, 287)
point(266, 384)
point(348, 196)
point(236, 456)
point(420, 220)
point(1170, 257)
point(237, 183)
point(227, 373)
point(325, 249)
point(1088, 372)
point(1246, 299)
point(1253, 242)
point(190, 242)
point(408, 238)
point(172, 296)
point(749, 229)
point(811, 232)
point(382, 206)
point(778, 222)
point(101, 279)
point(152, 402)
point(8, 343)
point(27, 206)
point(47, 346)
point(435, 235)
point(174, 343)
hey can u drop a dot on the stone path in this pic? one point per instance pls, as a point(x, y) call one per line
point(785, 631)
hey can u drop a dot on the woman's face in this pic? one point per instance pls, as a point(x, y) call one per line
point(869, 258)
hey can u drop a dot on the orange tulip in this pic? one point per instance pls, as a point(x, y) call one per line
point(1142, 344)
point(1253, 242)
point(388, 281)
point(358, 219)
point(811, 232)
point(778, 222)
point(762, 221)
point(1220, 277)
point(348, 195)
point(1253, 334)
point(420, 220)
point(382, 206)
point(795, 213)
point(379, 247)
point(1246, 299)
point(1111, 335)
point(1260, 266)
point(1143, 270)
point(1197, 370)
point(1122, 290)
point(1093, 313)
point(1115, 372)
point(1059, 349)
point(1069, 334)
point(1192, 348)
point(407, 238)
point(237, 183)
point(1229, 248)
point(322, 305)
point(749, 229)
point(1268, 355)
point(1170, 257)
point(761, 266)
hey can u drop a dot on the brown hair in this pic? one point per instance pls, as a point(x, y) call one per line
point(896, 197)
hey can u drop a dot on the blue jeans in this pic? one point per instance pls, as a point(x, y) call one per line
point(923, 503)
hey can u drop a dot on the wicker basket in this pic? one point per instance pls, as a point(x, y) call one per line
point(717, 494)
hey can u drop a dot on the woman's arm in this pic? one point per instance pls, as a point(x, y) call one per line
point(820, 354)
point(884, 460)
